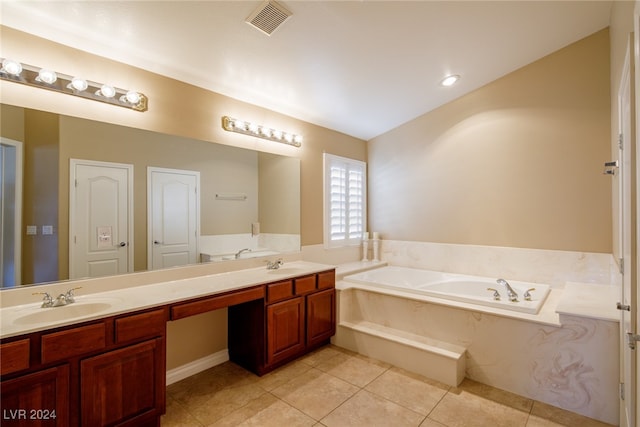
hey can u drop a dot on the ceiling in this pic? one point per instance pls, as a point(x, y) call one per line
point(358, 67)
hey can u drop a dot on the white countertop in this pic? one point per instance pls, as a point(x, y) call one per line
point(141, 297)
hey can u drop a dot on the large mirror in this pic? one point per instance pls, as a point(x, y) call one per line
point(150, 200)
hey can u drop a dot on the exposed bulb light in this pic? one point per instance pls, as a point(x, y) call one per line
point(47, 76)
point(450, 80)
point(131, 97)
point(11, 67)
point(107, 91)
point(78, 84)
point(260, 131)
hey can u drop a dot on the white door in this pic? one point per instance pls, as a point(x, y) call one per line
point(100, 219)
point(173, 209)
point(627, 205)
point(10, 212)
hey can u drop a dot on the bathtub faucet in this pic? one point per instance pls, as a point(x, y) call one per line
point(513, 296)
point(237, 255)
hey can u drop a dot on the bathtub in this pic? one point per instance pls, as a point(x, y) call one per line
point(454, 287)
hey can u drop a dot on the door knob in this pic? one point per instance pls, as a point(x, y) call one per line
point(122, 244)
point(155, 242)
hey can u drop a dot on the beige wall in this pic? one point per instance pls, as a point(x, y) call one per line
point(516, 163)
point(176, 108)
point(40, 187)
point(180, 109)
point(279, 189)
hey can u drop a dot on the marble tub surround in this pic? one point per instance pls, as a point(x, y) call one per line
point(551, 267)
point(572, 364)
point(152, 295)
point(588, 300)
point(356, 267)
point(323, 255)
point(547, 314)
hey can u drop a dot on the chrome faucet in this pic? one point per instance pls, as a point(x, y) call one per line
point(61, 300)
point(241, 251)
point(275, 264)
point(47, 301)
point(496, 294)
point(527, 294)
point(513, 296)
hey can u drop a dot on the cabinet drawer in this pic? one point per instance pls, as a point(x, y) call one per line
point(180, 311)
point(14, 356)
point(73, 342)
point(304, 285)
point(327, 279)
point(279, 291)
point(143, 325)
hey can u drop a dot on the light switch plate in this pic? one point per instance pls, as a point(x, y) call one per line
point(32, 230)
point(47, 230)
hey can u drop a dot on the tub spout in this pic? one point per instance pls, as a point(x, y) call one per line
point(513, 296)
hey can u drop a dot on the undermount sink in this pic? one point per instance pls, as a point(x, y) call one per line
point(54, 314)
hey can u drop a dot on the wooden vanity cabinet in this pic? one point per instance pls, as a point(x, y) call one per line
point(37, 399)
point(296, 316)
point(101, 373)
point(285, 330)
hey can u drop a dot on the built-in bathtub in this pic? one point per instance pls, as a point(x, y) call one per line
point(455, 287)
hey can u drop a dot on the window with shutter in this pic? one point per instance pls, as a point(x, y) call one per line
point(344, 200)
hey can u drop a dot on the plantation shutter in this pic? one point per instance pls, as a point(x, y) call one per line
point(345, 200)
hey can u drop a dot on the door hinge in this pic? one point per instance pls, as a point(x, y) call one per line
point(620, 140)
point(632, 339)
point(621, 391)
point(621, 265)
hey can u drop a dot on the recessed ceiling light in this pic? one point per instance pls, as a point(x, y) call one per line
point(450, 80)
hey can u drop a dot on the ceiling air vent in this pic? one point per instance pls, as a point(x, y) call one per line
point(268, 17)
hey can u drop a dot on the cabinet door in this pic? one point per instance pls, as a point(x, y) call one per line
point(285, 329)
point(123, 384)
point(321, 317)
point(38, 399)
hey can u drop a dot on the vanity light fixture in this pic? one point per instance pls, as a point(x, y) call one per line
point(247, 128)
point(44, 78)
point(450, 80)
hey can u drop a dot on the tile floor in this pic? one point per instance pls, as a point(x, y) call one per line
point(335, 387)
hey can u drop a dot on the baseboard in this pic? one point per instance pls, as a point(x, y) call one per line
point(181, 372)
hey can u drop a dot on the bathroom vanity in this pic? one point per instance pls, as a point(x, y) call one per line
point(111, 369)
